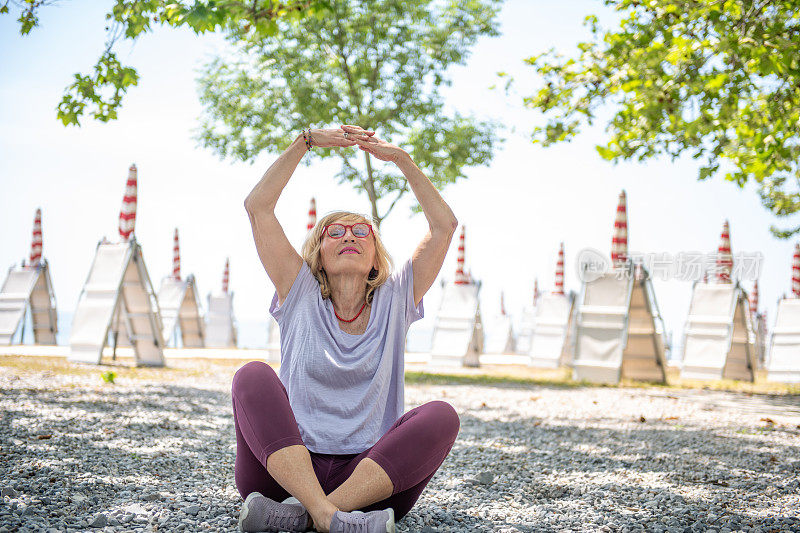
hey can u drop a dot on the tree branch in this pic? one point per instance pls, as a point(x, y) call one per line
point(400, 194)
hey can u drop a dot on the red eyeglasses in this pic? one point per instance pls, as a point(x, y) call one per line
point(337, 231)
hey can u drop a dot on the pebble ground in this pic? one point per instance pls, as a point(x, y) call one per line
point(154, 451)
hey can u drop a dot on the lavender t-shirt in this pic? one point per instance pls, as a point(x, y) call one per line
point(346, 390)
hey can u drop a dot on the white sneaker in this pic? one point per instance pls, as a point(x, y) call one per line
point(360, 522)
point(260, 513)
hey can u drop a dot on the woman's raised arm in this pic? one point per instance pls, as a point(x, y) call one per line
point(442, 223)
point(428, 257)
point(280, 260)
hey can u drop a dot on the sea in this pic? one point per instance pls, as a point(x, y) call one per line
point(251, 332)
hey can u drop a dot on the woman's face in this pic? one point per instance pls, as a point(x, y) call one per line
point(348, 254)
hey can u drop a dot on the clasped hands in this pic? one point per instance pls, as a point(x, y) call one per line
point(348, 135)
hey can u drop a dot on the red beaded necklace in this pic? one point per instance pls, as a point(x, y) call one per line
point(342, 319)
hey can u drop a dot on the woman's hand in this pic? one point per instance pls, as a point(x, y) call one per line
point(330, 138)
point(367, 141)
point(356, 129)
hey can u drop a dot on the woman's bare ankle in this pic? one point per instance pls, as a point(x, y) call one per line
point(322, 517)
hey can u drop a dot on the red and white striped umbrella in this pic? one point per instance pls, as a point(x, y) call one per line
point(36, 242)
point(796, 271)
point(724, 257)
point(502, 304)
point(754, 299)
point(226, 274)
point(560, 271)
point(176, 257)
point(127, 215)
point(312, 215)
point(619, 240)
point(461, 277)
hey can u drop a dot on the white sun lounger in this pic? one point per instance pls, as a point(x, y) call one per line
point(180, 311)
point(117, 282)
point(28, 287)
point(718, 337)
point(784, 357)
point(458, 331)
point(619, 330)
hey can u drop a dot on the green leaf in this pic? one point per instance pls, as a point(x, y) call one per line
point(314, 72)
point(605, 152)
point(92, 94)
point(716, 82)
point(719, 81)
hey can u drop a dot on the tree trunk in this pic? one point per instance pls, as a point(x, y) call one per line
point(370, 186)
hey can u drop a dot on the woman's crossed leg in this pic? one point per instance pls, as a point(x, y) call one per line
point(271, 458)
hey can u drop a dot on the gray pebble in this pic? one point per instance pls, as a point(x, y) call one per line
point(99, 521)
point(484, 478)
point(192, 510)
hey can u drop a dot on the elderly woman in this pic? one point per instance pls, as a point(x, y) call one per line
point(326, 443)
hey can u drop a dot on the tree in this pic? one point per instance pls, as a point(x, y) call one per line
point(132, 18)
point(717, 79)
point(375, 63)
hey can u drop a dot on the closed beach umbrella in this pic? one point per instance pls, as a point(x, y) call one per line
point(36, 242)
point(796, 271)
point(127, 215)
point(724, 257)
point(176, 257)
point(226, 276)
point(312, 215)
point(754, 299)
point(461, 277)
point(560, 271)
point(619, 240)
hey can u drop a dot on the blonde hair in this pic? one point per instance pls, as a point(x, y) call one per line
point(312, 254)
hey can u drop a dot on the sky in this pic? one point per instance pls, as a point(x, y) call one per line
point(516, 210)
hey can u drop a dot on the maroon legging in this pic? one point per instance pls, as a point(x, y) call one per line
point(410, 452)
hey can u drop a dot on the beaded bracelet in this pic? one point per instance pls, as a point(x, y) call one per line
point(307, 138)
